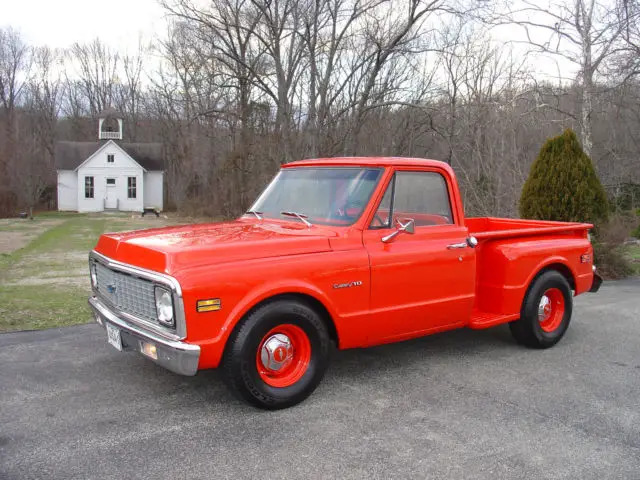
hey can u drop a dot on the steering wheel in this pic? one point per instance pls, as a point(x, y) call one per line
point(355, 204)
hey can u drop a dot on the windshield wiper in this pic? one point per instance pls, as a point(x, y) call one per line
point(257, 214)
point(301, 216)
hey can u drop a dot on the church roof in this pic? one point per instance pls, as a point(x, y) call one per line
point(70, 155)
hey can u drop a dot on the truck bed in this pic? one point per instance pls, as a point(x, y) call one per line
point(504, 267)
point(494, 228)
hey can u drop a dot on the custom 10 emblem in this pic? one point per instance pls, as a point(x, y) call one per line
point(356, 283)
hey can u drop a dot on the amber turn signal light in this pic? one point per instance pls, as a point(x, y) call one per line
point(208, 305)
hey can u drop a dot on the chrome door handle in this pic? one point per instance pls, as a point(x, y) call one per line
point(457, 245)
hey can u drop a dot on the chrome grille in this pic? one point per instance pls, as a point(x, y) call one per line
point(127, 293)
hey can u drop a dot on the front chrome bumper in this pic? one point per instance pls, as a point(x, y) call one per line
point(179, 357)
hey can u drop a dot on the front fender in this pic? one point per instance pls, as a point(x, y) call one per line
point(242, 286)
point(270, 290)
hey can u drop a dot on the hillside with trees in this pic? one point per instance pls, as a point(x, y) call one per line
point(238, 87)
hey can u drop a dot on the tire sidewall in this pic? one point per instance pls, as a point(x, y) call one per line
point(544, 282)
point(245, 348)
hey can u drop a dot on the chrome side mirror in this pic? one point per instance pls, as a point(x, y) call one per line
point(409, 226)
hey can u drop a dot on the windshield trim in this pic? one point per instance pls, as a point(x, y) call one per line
point(315, 220)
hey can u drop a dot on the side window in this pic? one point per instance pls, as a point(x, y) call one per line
point(131, 187)
point(422, 196)
point(88, 187)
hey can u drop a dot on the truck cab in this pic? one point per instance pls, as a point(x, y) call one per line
point(351, 252)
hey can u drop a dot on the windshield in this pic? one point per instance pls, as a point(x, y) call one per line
point(328, 196)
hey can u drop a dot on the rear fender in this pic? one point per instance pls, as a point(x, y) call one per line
point(507, 268)
point(558, 263)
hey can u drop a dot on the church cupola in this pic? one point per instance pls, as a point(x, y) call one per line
point(110, 124)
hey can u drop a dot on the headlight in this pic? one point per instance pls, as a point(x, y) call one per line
point(94, 275)
point(164, 307)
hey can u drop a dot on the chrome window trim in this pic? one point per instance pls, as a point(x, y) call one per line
point(155, 277)
point(324, 167)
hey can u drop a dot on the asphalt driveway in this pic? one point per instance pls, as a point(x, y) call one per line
point(462, 404)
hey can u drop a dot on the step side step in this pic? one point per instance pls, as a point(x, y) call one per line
point(488, 319)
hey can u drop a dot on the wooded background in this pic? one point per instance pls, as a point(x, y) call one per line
point(237, 87)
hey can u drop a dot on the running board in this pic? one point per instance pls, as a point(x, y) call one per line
point(485, 319)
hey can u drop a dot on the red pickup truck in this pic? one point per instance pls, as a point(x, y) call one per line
point(347, 251)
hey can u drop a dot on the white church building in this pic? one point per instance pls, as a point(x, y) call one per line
point(109, 174)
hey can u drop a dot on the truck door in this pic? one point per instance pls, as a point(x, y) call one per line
point(423, 281)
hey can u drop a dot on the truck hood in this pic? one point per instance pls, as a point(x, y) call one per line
point(171, 249)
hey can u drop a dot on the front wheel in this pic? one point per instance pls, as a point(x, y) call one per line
point(277, 355)
point(546, 311)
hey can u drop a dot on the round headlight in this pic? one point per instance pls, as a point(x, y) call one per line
point(164, 307)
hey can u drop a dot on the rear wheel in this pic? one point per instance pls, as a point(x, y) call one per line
point(546, 311)
point(277, 355)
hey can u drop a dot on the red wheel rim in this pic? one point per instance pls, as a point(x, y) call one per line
point(551, 310)
point(283, 355)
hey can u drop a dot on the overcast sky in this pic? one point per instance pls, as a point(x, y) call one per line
point(121, 23)
point(60, 23)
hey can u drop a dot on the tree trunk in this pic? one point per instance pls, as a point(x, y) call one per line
point(587, 95)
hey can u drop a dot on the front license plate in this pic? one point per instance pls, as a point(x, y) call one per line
point(113, 335)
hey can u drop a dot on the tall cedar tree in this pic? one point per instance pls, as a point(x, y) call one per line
point(563, 185)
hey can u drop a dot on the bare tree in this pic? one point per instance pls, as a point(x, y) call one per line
point(391, 39)
point(453, 44)
point(45, 97)
point(15, 64)
point(128, 90)
point(278, 32)
point(239, 86)
point(96, 74)
point(330, 27)
point(226, 35)
point(627, 61)
point(169, 103)
point(583, 32)
point(31, 168)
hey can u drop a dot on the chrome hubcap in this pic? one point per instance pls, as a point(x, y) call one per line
point(544, 309)
point(277, 352)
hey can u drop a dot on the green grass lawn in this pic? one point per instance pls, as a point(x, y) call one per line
point(32, 307)
point(45, 283)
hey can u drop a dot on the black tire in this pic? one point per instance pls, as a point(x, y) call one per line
point(527, 330)
point(239, 361)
